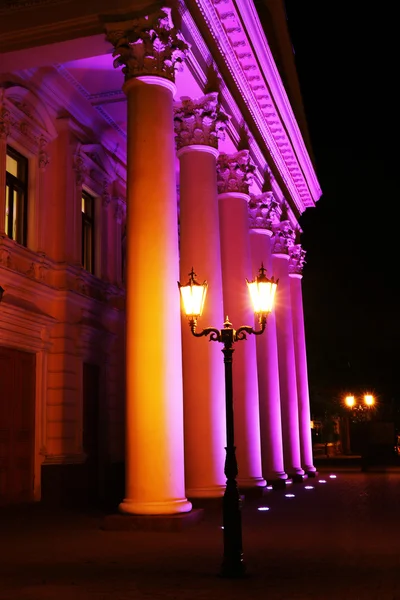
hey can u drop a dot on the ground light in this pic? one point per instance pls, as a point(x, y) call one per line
point(262, 292)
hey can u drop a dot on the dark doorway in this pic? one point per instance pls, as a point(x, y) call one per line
point(91, 426)
point(17, 425)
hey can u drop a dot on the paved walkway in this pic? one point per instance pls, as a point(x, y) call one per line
point(337, 541)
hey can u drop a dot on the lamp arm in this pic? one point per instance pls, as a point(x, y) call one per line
point(215, 334)
point(240, 334)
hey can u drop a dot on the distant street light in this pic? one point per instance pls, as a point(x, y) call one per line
point(262, 291)
point(369, 399)
point(349, 401)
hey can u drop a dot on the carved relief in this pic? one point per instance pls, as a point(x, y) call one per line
point(119, 209)
point(5, 118)
point(79, 168)
point(106, 196)
point(201, 121)
point(263, 211)
point(5, 258)
point(149, 45)
point(283, 238)
point(43, 155)
point(234, 172)
point(297, 259)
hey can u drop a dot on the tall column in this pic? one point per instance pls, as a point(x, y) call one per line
point(5, 127)
point(262, 213)
point(154, 419)
point(281, 242)
point(234, 176)
point(296, 263)
point(198, 124)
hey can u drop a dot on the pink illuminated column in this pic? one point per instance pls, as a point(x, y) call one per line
point(234, 175)
point(281, 242)
point(296, 263)
point(154, 419)
point(197, 123)
point(262, 214)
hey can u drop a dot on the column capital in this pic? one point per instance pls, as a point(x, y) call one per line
point(283, 238)
point(149, 45)
point(200, 122)
point(234, 172)
point(297, 260)
point(263, 211)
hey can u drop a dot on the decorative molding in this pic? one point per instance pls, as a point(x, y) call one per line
point(106, 195)
point(257, 80)
point(149, 45)
point(297, 259)
point(14, 5)
point(283, 238)
point(234, 172)
point(79, 167)
point(200, 122)
point(119, 209)
point(263, 211)
point(43, 157)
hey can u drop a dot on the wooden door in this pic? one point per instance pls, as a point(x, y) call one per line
point(17, 425)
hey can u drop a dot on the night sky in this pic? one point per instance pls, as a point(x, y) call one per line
point(345, 56)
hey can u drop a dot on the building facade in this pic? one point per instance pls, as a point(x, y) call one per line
point(136, 142)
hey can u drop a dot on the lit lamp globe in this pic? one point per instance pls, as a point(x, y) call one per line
point(193, 296)
point(369, 400)
point(262, 292)
point(349, 401)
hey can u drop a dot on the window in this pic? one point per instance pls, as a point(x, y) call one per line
point(16, 196)
point(88, 232)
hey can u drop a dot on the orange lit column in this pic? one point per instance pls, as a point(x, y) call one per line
point(281, 242)
point(296, 263)
point(154, 419)
point(262, 213)
point(234, 175)
point(5, 127)
point(197, 125)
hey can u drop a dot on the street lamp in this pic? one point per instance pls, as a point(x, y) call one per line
point(369, 399)
point(262, 291)
point(349, 401)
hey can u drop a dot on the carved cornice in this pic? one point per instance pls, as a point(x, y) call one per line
point(283, 237)
point(201, 121)
point(297, 259)
point(149, 45)
point(234, 172)
point(263, 213)
point(236, 30)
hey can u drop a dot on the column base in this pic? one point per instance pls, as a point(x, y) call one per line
point(298, 478)
point(311, 471)
point(216, 491)
point(251, 482)
point(177, 522)
point(279, 484)
point(173, 507)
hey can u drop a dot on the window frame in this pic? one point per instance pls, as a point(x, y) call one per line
point(16, 185)
point(89, 220)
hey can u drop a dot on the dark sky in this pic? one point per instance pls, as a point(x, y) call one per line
point(346, 60)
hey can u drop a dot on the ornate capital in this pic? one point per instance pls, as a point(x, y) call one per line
point(263, 211)
point(283, 238)
point(297, 259)
point(234, 172)
point(149, 45)
point(201, 121)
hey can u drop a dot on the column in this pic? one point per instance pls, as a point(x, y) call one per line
point(119, 214)
point(154, 415)
point(198, 124)
point(5, 127)
point(281, 242)
point(262, 214)
point(234, 175)
point(296, 263)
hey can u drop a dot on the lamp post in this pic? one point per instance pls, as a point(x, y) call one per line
point(262, 291)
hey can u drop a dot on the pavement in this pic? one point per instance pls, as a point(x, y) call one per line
point(339, 540)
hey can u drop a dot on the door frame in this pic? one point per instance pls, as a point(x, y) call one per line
point(27, 331)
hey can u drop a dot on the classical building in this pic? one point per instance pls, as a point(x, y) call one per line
point(139, 140)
